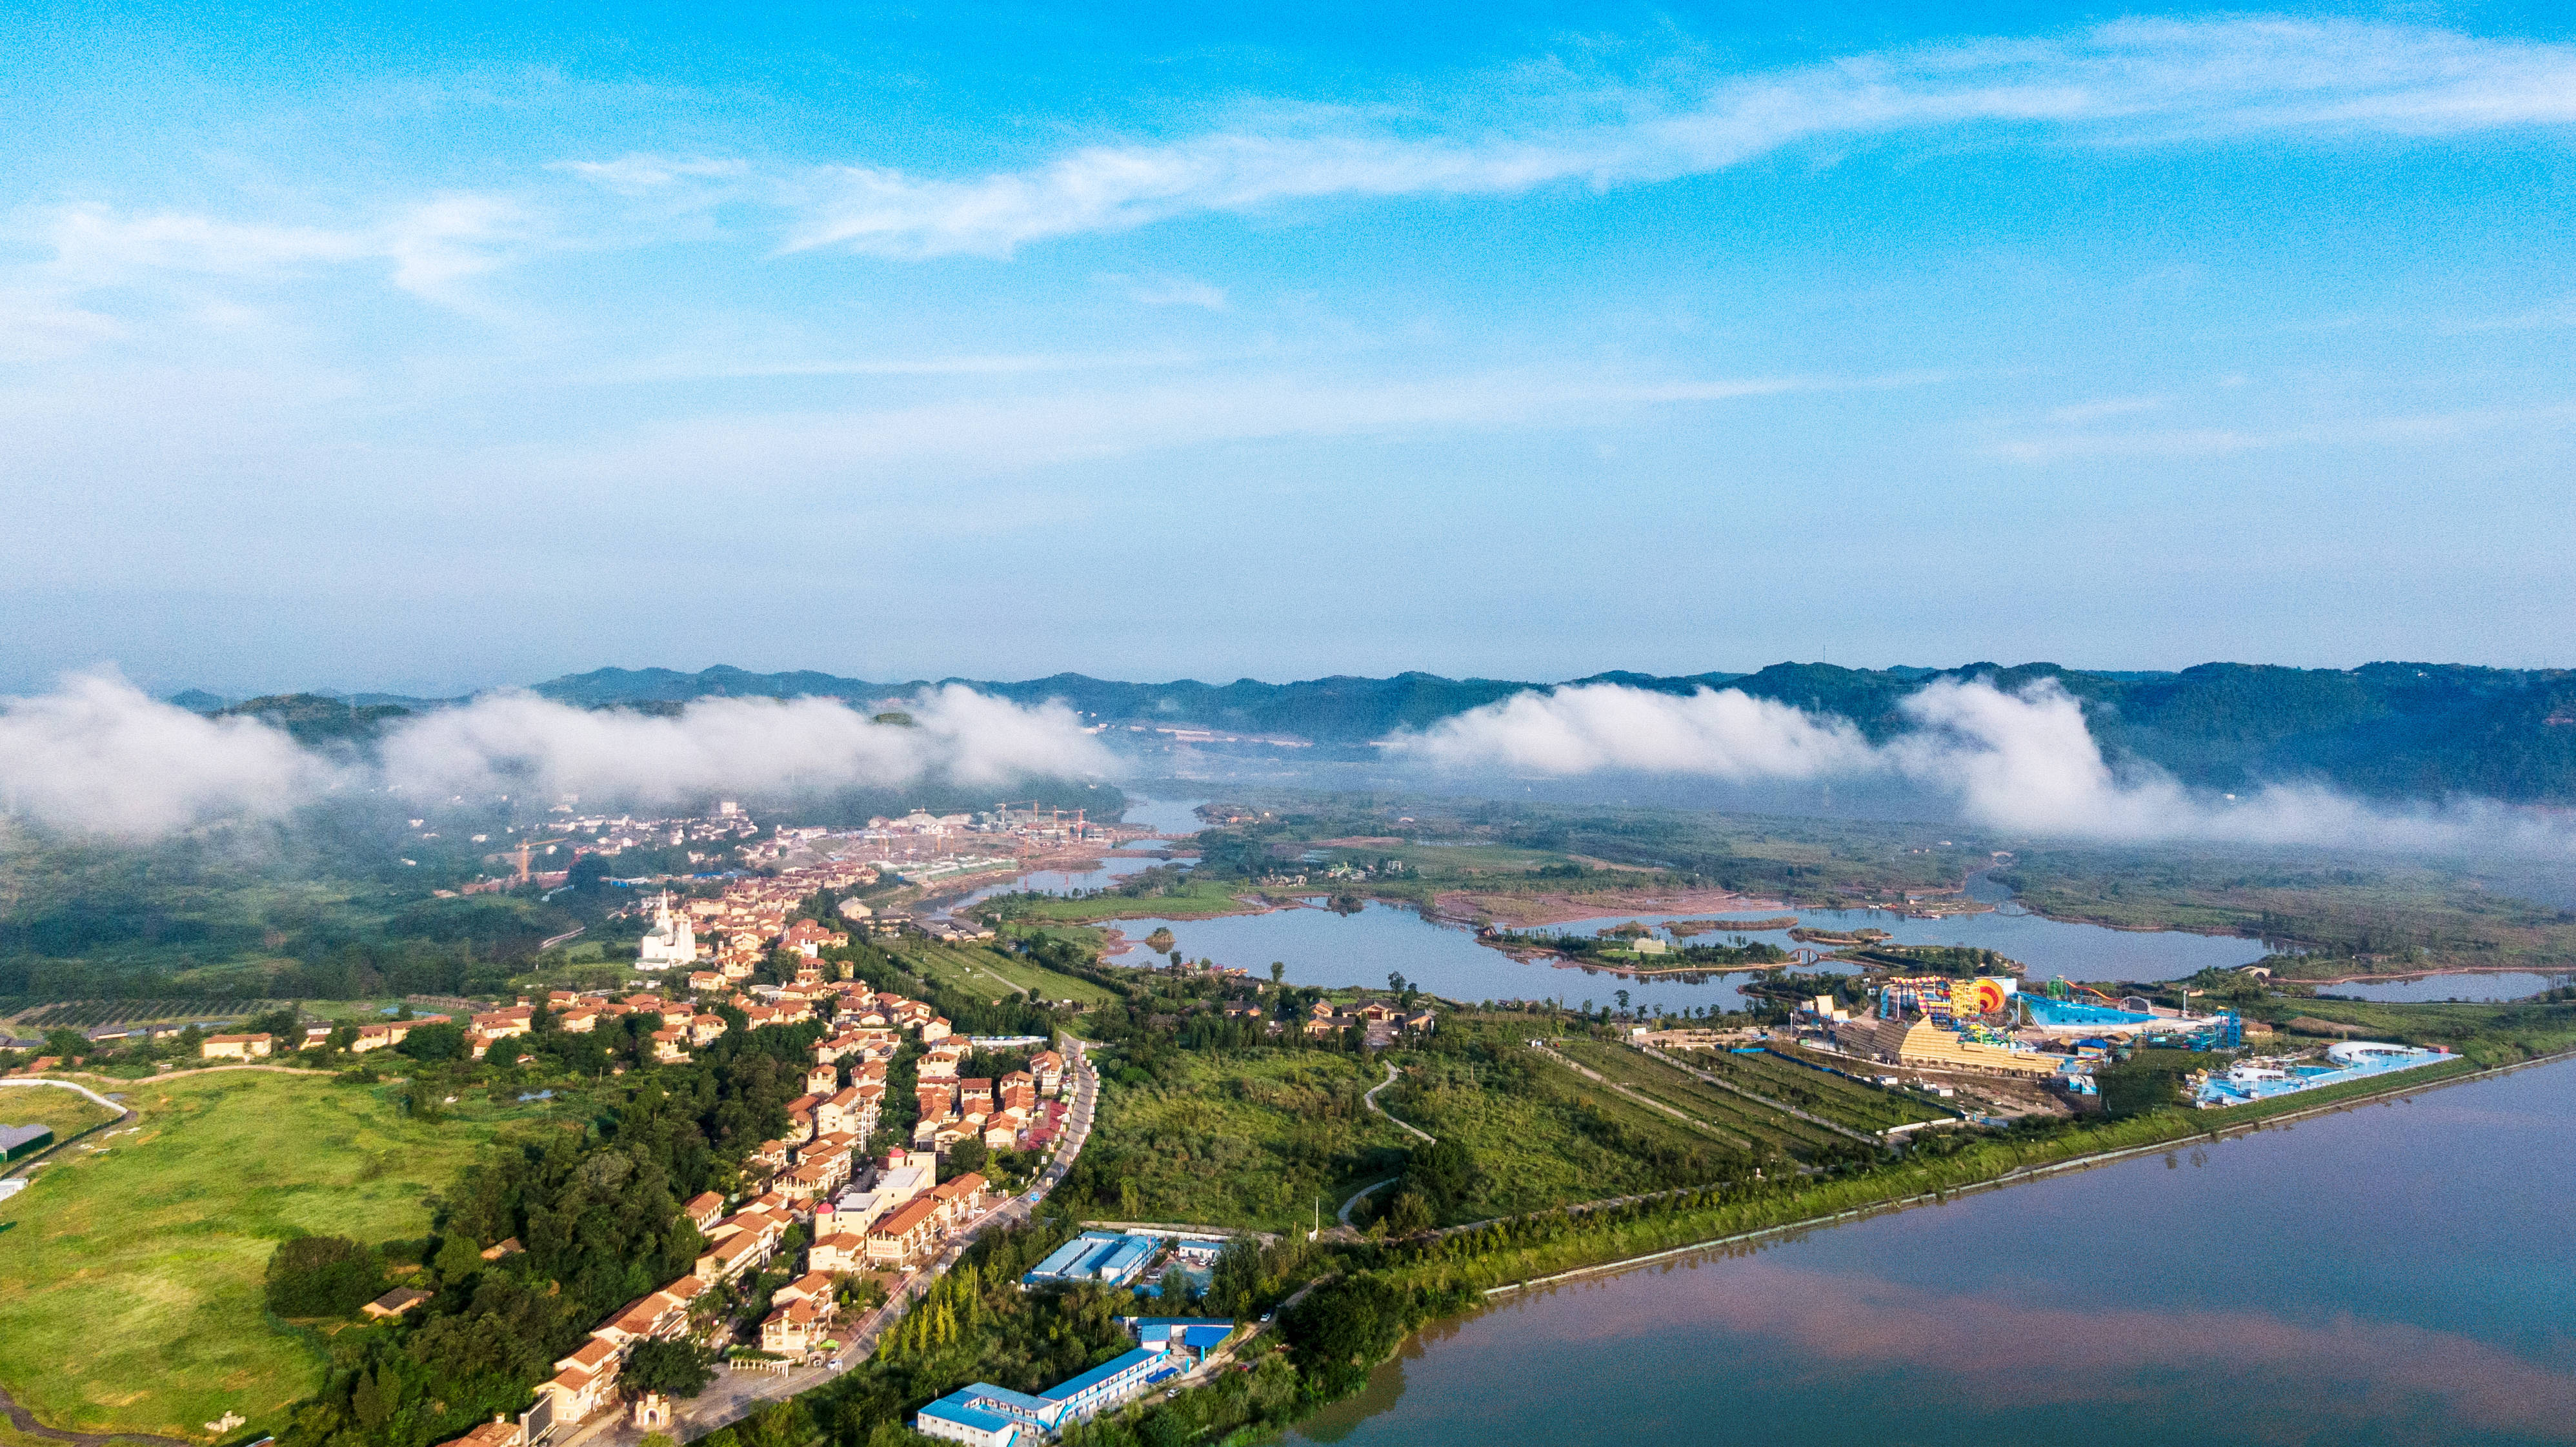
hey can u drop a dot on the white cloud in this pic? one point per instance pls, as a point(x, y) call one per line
point(97, 755)
point(1725, 734)
point(2125, 82)
point(2022, 762)
point(1176, 291)
point(509, 742)
point(424, 246)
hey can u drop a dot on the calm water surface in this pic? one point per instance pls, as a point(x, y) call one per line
point(2510, 986)
point(1319, 947)
point(2398, 1274)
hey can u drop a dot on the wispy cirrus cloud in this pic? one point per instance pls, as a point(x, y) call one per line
point(2424, 429)
point(424, 247)
point(2127, 82)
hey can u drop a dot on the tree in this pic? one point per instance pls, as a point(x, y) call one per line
point(321, 1276)
point(458, 1257)
point(1175, 1289)
point(1278, 971)
point(677, 1369)
point(1408, 1214)
point(967, 1155)
point(1342, 1330)
point(1161, 940)
point(430, 1044)
point(1441, 1173)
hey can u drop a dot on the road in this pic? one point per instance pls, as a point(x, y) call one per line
point(734, 1395)
point(1370, 1100)
point(18, 1169)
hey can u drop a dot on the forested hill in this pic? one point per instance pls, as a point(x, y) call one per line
point(2392, 729)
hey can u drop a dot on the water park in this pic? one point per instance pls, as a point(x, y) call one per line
point(2262, 1078)
point(2061, 1034)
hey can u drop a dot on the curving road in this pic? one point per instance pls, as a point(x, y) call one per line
point(1370, 1100)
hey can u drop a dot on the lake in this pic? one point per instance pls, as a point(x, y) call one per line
point(2396, 1274)
point(2505, 985)
point(1319, 947)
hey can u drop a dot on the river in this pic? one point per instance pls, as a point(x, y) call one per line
point(2396, 1274)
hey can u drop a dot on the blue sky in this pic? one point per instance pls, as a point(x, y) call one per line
point(436, 346)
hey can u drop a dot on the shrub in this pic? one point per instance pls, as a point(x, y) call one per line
point(322, 1276)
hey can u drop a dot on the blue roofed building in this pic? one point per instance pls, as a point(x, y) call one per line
point(1108, 1257)
point(951, 1419)
point(1112, 1382)
point(1189, 1338)
point(984, 1415)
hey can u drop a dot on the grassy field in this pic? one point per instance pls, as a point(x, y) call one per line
point(1542, 1136)
point(67, 1112)
point(1760, 1128)
point(989, 972)
point(1251, 1139)
point(130, 1284)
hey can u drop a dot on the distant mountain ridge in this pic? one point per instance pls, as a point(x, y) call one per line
point(2392, 730)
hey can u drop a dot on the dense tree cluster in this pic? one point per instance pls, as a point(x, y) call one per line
point(597, 1214)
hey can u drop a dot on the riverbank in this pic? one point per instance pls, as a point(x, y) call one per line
point(2383, 1275)
point(1645, 1236)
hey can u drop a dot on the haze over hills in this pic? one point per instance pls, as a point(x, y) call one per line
point(2386, 730)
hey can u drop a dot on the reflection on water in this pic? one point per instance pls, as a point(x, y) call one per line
point(2508, 986)
point(1323, 948)
point(2049, 947)
point(2392, 1274)
point(1164, 816)
point(1320, 947)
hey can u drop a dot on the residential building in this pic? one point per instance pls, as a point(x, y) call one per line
point(906, 1234)
point(236, 1047)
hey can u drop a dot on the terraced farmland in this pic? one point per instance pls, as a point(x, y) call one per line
point(1748, 1123)
point(1847, 1102)
point(92, 1014)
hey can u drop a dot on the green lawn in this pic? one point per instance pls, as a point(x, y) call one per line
point(130, 1284)
point(68, 1112)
